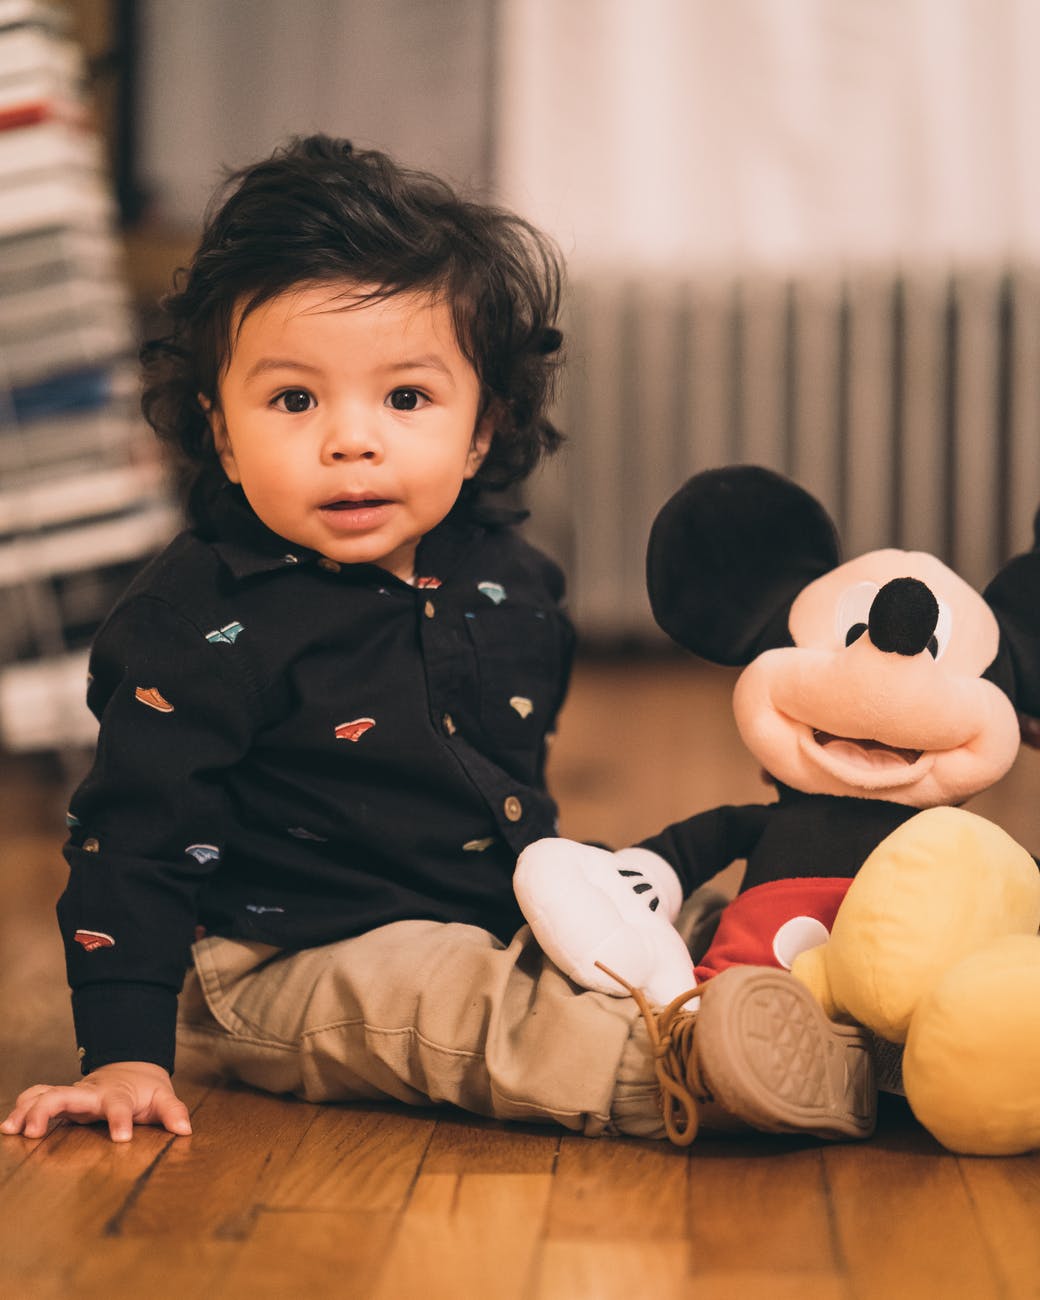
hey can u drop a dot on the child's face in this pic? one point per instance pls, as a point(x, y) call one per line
point(351, 428)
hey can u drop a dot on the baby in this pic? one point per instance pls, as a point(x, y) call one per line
point(324, 708)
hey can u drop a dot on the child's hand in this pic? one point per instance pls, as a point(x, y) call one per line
point(124, 1093)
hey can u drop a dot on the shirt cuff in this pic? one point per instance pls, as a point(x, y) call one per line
point(125, 1022)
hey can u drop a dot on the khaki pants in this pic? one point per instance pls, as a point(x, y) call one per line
point(421, 1012)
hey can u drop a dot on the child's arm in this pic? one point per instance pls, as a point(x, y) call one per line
point(122, 1094)
point(148, 827)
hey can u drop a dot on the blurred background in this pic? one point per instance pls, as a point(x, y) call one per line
point(804, 233)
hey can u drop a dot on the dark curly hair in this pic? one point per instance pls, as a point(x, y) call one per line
point(320, 210)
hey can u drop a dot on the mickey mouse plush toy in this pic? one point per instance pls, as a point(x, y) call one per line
point(879, 694)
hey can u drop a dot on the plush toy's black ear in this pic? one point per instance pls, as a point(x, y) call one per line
point(1014, 596)
point(727, 556)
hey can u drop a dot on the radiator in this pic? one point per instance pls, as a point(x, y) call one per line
point(909, 404)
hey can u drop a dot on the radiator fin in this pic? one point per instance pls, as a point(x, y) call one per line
point(909, 404)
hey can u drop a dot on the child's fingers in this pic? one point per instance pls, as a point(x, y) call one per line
point(48, 1104)
point(23, 1102)
point(33, 1111)
point(172, 1114)
point(120, 1115)
point(85, 1103)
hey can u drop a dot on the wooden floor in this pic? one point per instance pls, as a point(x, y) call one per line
point(277, 1198)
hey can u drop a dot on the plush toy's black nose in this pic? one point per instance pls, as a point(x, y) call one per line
point(903, 617)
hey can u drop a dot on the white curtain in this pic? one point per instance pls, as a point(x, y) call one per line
point(651, 133)
point(225, 81)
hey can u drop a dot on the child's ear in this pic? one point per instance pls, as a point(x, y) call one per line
point(481, 444)
point(221, 442)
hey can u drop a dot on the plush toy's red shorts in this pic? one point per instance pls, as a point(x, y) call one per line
point(768, 925)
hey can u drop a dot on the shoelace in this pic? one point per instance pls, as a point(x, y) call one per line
point(670, 1030)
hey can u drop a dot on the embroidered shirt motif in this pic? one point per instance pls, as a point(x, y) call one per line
point(203, 852)
point(151, 696)
point(91, 940)
point(227, 635)
point(354, 730)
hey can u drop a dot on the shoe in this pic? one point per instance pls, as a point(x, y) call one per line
point(761, 1047)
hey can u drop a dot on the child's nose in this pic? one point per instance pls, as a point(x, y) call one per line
point(352, 437)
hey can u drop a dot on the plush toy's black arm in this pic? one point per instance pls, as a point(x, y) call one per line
point(702, 845)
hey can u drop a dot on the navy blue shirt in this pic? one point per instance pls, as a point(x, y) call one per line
point(296, 752)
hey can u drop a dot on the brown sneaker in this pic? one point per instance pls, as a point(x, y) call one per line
point(761, 1047)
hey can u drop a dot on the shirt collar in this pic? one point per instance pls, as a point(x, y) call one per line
point(248, 547)
point(245, 546)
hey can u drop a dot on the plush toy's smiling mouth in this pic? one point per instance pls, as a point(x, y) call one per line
point(874, 752)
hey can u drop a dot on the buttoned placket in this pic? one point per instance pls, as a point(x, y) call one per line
point(437, 633)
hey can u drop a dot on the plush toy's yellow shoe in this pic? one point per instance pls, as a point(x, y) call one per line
point(971, 1068)
point(943, 885)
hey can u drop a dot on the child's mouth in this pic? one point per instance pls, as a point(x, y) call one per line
point(356, 514)
point(367, 503)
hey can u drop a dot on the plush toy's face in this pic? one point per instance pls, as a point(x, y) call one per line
point(881, 695)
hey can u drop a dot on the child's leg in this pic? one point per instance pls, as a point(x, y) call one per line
point(419, 1011)
point(424, 1012)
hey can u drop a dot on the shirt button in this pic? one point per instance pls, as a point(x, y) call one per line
point(330, 566)
point(513, 808)
point(448, 723)
point(428, 609)
point(91, 845)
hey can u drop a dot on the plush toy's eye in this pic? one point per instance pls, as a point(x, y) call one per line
point(943, 629)
point(854, 612)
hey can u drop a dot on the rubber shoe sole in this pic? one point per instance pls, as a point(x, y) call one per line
point(771, 1057)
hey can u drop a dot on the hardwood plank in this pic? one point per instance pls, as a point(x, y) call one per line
point(210, 1183)
point(756, 1284)
point(315, 1253)
point(37, 1044)
point(358, 1158)
point(57, 1205)
point(611, 1270)
point(621, 774)
point(14, 1151)
point(1005, 1195)
point(159, 1268)
point(470, 1144)
point(467, 1235)
point(904, 1221)
point(612, 1189)
point(761, 1203)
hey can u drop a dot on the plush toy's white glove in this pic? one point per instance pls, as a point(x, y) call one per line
point(586, 905)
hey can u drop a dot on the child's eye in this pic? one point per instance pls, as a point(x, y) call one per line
point(294, 400)
point(407, 399)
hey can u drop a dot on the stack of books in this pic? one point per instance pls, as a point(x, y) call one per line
point(82, 503)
